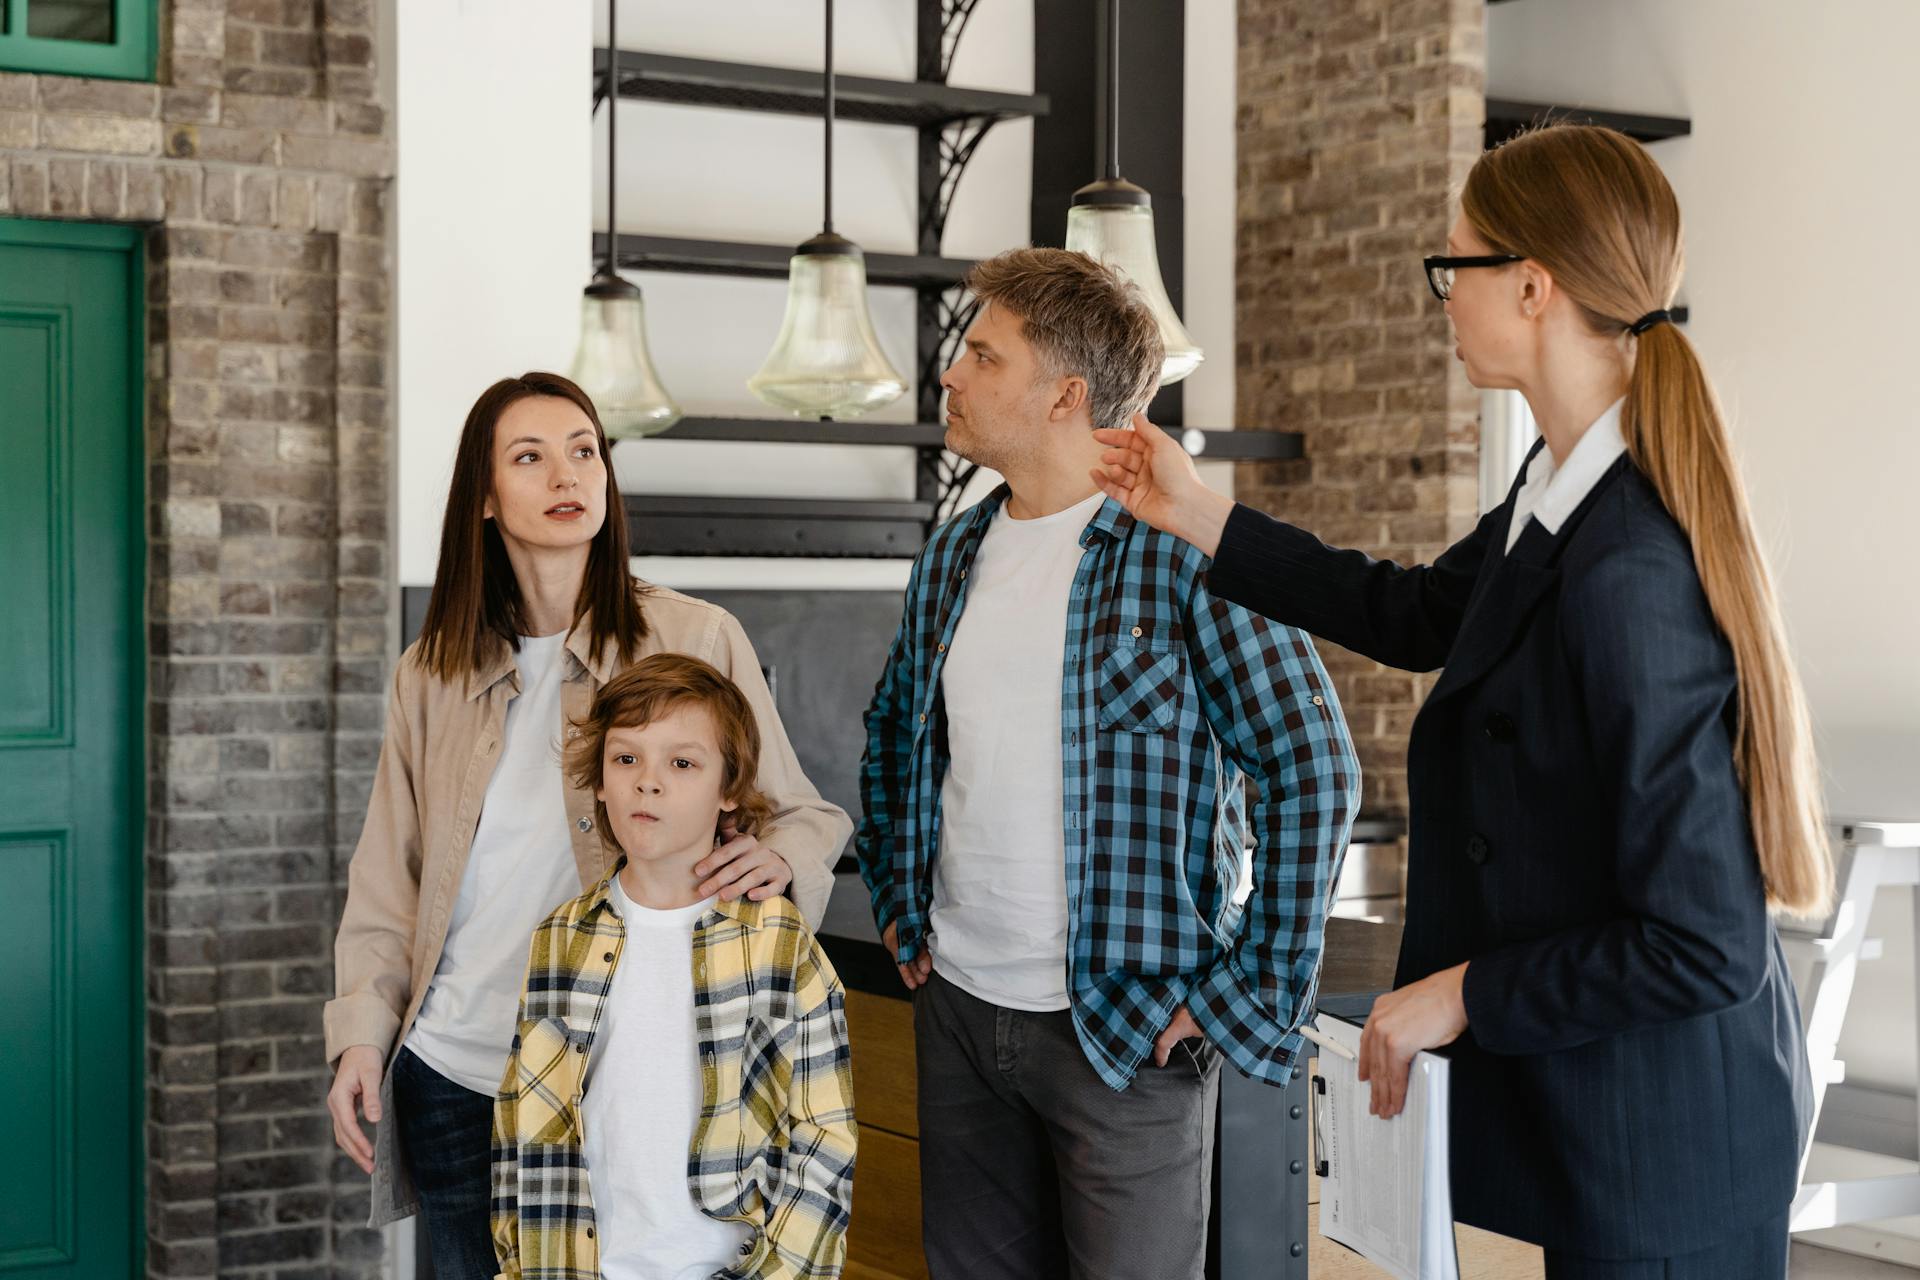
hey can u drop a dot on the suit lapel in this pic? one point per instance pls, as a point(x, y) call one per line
point(1509, 591)
point(1511, 587)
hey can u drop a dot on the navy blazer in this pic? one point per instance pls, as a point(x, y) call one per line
point(1634, 1080)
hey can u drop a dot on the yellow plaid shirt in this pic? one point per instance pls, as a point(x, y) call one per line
point(774, 1146)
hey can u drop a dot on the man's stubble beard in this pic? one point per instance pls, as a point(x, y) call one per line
point(996, 452)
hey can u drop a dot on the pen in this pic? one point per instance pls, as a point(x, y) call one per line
point(1331, 1045)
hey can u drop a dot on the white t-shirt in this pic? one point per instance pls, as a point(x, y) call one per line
point(642, 1102)
point(999, 921)
point(519, 869)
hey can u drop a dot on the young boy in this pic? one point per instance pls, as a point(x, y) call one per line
point(679, 1101)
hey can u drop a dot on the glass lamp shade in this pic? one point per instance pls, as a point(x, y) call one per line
point(827, 363)
point(1112, 222)
point(613, 365)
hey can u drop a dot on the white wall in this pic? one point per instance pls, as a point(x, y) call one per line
point(1799, 185)
point(514, 251)
point(491, 127)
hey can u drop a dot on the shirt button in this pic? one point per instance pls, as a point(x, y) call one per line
point(923, 717)
point(608, 957)
point(589, 1233)
point(1477, 849)
point(940, 648)
point(1318, 701)
point(586, 824)
point(963, 575)
point(579, 1048)
point(1136, 632)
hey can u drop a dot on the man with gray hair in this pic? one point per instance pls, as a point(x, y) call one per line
point(1055, 837)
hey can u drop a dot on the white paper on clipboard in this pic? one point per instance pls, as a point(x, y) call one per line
point(1384, 1189)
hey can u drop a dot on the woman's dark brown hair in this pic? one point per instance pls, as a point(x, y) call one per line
point(475, 607)
point(650, 689)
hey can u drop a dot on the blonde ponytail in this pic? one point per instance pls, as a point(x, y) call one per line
point(1591, 206)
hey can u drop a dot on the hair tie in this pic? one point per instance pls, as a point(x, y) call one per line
point(1647, 321)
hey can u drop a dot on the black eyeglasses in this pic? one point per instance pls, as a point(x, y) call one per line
point(1440, 269)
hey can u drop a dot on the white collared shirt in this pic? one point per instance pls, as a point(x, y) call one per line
point(1550, 493)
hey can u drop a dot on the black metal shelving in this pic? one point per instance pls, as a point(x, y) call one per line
point(1214, 446)
point(769, 261)
point(740, 86)
point(661, 525)
point(1507, 117)
point(950, 121)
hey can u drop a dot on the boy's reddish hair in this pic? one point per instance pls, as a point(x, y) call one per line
point(651, 688)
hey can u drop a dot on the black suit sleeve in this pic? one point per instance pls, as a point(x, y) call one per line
point(1656, 680)
point(1406, 618)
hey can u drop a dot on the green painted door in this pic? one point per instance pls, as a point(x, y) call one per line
point(72, 795)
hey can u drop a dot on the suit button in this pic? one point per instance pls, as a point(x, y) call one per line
point(1499, 726)
point(1477, 849)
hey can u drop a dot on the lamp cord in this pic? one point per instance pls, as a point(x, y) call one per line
point(613, 103)
point(1113, 89)
point(826, 223)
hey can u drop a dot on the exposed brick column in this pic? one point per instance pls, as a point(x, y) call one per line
point(261, 162)
point(1358, 121)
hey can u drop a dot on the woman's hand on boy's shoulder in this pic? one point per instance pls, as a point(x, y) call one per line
point(741, 866)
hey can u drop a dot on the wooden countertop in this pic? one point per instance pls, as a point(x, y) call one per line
point(1360, 956)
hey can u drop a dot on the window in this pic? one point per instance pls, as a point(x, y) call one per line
point(108, 38)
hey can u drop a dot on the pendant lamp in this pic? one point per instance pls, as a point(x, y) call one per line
point(827, 363)
point(1112, 220)
point(613, 365)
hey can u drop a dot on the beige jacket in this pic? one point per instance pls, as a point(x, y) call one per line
point(442, 742)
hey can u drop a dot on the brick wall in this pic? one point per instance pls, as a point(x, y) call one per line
point(1358, 120)
point(261, 163)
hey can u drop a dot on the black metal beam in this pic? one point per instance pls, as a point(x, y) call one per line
point(1507, 117)
point(769, 261)
point(1235, 446)
point(788, 90)
point(724, 526)
point(1069, 67)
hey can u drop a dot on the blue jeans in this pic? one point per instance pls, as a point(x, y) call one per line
point(446, 1133)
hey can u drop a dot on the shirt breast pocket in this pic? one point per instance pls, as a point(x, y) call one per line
point(1140, 684)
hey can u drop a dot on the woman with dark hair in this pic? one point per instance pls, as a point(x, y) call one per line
point(1613, 782)
point(473, 834)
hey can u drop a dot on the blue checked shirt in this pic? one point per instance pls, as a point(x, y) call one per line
point(1169, 699)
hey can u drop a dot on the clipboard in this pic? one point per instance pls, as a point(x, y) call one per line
point(1385, 1189)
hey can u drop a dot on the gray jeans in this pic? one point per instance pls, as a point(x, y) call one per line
point(1031, 1168)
